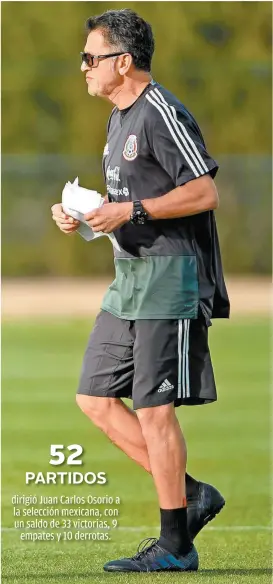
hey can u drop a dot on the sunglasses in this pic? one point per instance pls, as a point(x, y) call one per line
point(89, 59)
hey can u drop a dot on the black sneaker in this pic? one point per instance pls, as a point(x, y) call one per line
point(203, 508)
point(151, 557)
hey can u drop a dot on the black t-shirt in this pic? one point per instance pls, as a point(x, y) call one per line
point(165, 267)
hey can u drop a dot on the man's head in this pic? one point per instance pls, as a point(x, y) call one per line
point(124, 34)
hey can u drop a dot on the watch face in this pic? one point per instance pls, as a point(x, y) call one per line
point(140, 219)
point(139, 214)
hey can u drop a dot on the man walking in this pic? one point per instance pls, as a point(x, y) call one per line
point(150, 340)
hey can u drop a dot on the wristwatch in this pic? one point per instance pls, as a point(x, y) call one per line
point(139, 215)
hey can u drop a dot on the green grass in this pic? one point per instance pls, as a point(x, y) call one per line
point(228, 445)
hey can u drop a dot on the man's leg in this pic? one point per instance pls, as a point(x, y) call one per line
point(153, 439)
point(107, 374)
point(166, 448)
point(119, 423)
point(168, 456)
point(123, 428)
point(167, 453)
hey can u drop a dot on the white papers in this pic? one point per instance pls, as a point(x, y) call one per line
point(76, 201)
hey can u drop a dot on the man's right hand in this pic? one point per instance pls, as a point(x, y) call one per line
point(65, 223)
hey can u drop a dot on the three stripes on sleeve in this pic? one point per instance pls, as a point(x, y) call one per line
point(178, 132)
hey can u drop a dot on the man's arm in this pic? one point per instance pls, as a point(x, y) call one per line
point(194, 197)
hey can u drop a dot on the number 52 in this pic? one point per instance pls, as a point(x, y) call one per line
point(58, 457)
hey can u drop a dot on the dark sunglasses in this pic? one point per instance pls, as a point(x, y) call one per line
point(89, 59)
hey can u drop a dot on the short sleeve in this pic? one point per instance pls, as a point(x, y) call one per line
point(176, 142)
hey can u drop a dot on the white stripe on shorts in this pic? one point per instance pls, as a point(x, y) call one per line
point(180, 328)
point(183, 359)
point(187, 369)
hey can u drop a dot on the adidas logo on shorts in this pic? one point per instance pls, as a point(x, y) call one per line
point(165, 386)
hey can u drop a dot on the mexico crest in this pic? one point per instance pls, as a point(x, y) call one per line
point(130, 148)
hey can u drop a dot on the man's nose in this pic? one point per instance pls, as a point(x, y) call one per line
point(84, 67)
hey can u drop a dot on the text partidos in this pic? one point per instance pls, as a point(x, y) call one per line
point(65, 478)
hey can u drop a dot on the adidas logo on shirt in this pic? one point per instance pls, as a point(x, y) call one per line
point(165, 386)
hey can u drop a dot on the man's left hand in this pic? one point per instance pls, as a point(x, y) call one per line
point(109, 217)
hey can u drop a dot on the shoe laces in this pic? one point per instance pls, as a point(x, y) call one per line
point(146, 546)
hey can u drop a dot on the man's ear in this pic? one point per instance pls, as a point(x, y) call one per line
point(126, 63)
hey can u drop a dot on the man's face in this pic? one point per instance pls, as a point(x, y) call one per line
point(103, 77)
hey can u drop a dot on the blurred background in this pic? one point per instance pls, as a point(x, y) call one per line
point(216, 58)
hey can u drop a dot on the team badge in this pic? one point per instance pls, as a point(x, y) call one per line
point(130, 148)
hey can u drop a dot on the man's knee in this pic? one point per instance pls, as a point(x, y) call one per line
point(96, 408)
point(158, 416)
